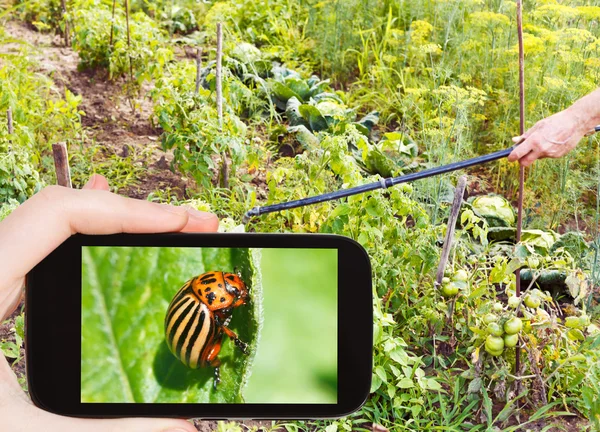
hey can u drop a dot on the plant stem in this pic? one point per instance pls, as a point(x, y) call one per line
point(219, 88)
point(61, 163)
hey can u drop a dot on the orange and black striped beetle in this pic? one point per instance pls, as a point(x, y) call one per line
point(198, 317)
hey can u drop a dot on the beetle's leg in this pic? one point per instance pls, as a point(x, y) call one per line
point(213, 359)
point(239, 302)
point(236, 340)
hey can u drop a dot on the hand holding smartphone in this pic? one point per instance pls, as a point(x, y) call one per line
point(201, 325)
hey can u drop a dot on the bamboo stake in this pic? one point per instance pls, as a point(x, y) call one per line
point(61, 163)
point(521, 168)
point(128, 40)
point(66, 34)
point(219, 89)
point(198, 67)
point(112, 23)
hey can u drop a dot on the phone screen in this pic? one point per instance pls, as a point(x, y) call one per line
point(209, 325)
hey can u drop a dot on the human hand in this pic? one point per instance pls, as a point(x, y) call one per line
point(551, 137)
point(35, 229)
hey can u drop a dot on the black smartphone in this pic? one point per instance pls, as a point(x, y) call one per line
point(215, 326)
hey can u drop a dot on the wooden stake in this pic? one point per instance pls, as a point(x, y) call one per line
point(456, 204)
point(128, 40)
point(112, 23)
point(198, 67)
point(219, 88)
point(9, 119)
point(521, 168)
point(66, 35)
point(61, 163)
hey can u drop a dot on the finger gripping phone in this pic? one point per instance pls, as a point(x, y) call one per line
point(201, 325)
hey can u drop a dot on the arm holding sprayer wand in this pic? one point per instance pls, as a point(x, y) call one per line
point(558, 134)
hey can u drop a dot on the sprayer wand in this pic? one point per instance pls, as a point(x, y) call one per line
point(382, 184)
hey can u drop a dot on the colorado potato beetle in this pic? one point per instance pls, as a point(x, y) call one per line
point(198, 317)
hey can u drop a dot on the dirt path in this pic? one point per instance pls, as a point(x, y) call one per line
point(109, 121)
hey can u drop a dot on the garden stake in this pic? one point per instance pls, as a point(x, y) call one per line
point(456, 204)
point(219, 90)
point(454, 211)
point(384, 183)
point(128, 41)
point(198, 66)
point(61, 163)
point(112, 23)
point(9, 120)
point(63, 4)
point(521, 167)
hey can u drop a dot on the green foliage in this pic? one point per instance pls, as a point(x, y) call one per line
point(43, 14)
point(39, 116)
point(495, 209)
point(179, 17)
point(18, 177)
point(145, 56)
point(191, 126)
point(123, 335)
point(121, 170)
point(12, 349)
point(7, 208)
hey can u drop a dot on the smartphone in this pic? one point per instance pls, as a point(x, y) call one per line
point(214, 326)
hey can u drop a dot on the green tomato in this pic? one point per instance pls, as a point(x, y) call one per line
point(514, 301)
point(494, 343)
point(533, 262)
point(513, 326)
point(573, 322)
point(494, 328)
point(497, 307)
point(449, 290)
point(460, 275)
point(445, 280)
point(472, 259)
point(489, 318)
point(510, 340)
point(494, 353)
point(532, 301)
point(482, 259)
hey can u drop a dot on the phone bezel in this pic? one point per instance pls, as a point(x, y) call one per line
point(53, 328)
